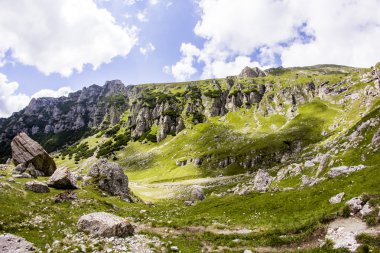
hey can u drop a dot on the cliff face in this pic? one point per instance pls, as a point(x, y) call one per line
point(162, 110)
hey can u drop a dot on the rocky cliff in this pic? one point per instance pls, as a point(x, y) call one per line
point(158, 110)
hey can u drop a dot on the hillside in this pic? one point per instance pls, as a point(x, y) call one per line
point(267, 149)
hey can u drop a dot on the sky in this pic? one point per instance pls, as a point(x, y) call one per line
point(52, 48)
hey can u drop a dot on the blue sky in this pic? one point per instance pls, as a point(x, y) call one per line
point(55, 47)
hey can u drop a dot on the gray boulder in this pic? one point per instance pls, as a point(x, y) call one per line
point(19, 169)
point(197, 194)
point(62, 179)
point(337, 198)
point(36, 186)
point(27, 151)
point(262, 181)
point(110, 178)
point(14, 244)
point(341, 170)
point(105, 225)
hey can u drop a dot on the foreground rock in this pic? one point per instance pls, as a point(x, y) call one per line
point(197, 194)
point(110, 178)
point(26, 151)
point(105, 225)
point(62, 179)
point(14, 244)
point(337, 171)
point(65, 197)
point(36, 186)
point(262, 181)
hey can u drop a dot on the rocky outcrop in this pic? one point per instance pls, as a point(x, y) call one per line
point(251, 72)
point(15, 244)
point(110, 178)
point(36, 186)
point(62, 179)
point(344, 170)
point(105, 225)
point(262, 181)
point(28, 152)
point(197, 194)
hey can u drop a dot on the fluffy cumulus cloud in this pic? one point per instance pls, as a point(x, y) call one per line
point(61, 36)
point(184, 69)
point(12, 101)
point(298, 32)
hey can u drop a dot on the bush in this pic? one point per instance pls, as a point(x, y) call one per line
point(346, 211)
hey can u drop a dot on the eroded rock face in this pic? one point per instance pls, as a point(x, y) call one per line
point(36, 186)
point(110, 178)
point(27, 151)
point(14, 244)
point(62, 179)
point(105, 225)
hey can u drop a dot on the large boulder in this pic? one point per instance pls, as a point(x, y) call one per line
point(36, 186)
point(105, 225)
point(62, 179)
point(27, 151)
point(110, 177)
point(14, 244)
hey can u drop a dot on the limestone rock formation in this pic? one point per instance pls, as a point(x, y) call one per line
point(337, 198)
point(337, 171)
point(110, 178)
point(105, 225)
point(62, 179)
point(15, 244)
point(36, 186)
point(27, 151)
point(251, 72)
point(262, 181)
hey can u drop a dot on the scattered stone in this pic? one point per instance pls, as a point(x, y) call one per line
point(62, 179)
point(65, 197)
point(247, 251)
point(27, 151)
point(188, 203)
point(36, 186)
point(105, 225)
point(197, 194)
point(11, 180)
point(23, 175)
point(31, 170)
point(366, 209)
point(14, 244)
point(174, 248)
point(337, 198)
point(19, 169)
point(309, 164)
point(355, 204)
point(262, 181)
point(110, 178)
point(337, 171)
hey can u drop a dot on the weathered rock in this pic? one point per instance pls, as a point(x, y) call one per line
point(19, 169)
point(355, 204)
point(23, 175)
point(337, 198)
point(197, 194)
point(65, 196)
point(366, 209)
point(251, 72)
point(310, 181)
point(36, 186)
point(31, 170)
point(337, 171)
point(14, 244)
point(27, 151)
point(309, 164)
point(105, 225)
point(62, 179)
point(110, 178)
point(262, 181)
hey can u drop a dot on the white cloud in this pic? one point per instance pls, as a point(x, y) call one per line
point(13, 101)
point(62, 36)
point(153, 2)
point(299, 32)
point(142, 16)
point(184, 69)
point(148, 48)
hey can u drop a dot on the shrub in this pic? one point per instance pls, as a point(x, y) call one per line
point(346, 211)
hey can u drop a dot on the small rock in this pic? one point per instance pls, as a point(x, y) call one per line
point(355, 204)
point(188, 203)
point(19, 169)
point(337, 198)
point(11, 180)
point(247, 251)
point(174, 248)
point(36, 186)
point(366, 209)
point(65, 197)
point(23, 175)
point(197, 194)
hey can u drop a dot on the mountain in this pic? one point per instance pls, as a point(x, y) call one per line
point(275, 160)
